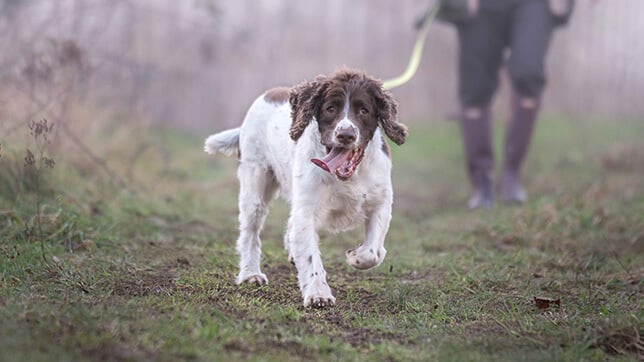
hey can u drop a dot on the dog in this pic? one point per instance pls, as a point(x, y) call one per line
point(319, 145)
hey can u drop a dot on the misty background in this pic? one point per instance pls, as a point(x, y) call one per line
point(198, 64)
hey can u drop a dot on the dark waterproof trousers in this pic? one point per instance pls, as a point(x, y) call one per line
point(522, 26)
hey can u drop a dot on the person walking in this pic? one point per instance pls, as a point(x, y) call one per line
point(486, 30)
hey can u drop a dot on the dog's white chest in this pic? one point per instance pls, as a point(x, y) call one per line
point(348, 207)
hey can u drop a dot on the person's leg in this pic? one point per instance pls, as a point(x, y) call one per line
point(481, 43)
point(531, 30)
point(476, 132)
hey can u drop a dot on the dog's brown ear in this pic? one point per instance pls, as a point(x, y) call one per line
point(388, 116)
point(305, 100)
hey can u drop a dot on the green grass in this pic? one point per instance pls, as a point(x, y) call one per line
point(142, 268)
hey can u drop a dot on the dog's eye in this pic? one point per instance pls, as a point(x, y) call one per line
point(330, 109)
point(364, 111)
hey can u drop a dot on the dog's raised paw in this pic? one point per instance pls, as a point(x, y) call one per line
point(365, 258)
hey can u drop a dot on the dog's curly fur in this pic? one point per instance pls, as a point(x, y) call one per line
point(276, 142)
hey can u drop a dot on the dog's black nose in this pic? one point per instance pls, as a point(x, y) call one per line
point(346, 136)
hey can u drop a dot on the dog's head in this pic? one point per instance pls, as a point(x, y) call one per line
point(348, 107)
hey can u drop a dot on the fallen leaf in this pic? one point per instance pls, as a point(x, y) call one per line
point(545, 303)
point(83, 245)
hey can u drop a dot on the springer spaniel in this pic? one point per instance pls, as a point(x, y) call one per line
point(318, 145)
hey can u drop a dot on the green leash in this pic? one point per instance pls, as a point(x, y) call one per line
point(416, 53)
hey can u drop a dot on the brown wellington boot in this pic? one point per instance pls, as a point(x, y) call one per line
point(476, 132)
point(517, 140)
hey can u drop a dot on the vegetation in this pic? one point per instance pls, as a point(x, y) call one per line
point(140, 261)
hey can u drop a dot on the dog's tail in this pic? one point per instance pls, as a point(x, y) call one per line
point(226, 142)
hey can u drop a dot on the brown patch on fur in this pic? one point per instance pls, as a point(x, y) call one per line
point(307, 100)
point(385, 147)
point(277, 95)
point(395, 130)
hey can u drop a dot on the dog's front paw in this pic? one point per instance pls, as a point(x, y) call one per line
point(255, 278)
point(318, 295)
point(364, 257)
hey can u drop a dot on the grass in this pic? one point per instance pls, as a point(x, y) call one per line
point(143, 269)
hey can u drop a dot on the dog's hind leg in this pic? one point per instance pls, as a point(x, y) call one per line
point(257, 188)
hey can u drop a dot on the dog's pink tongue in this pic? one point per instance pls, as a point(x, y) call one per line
point(333, 160)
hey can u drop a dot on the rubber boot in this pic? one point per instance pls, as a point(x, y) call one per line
point(476, 132)
point(517, 141)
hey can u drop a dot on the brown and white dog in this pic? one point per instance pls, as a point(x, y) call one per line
point(320, 146)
